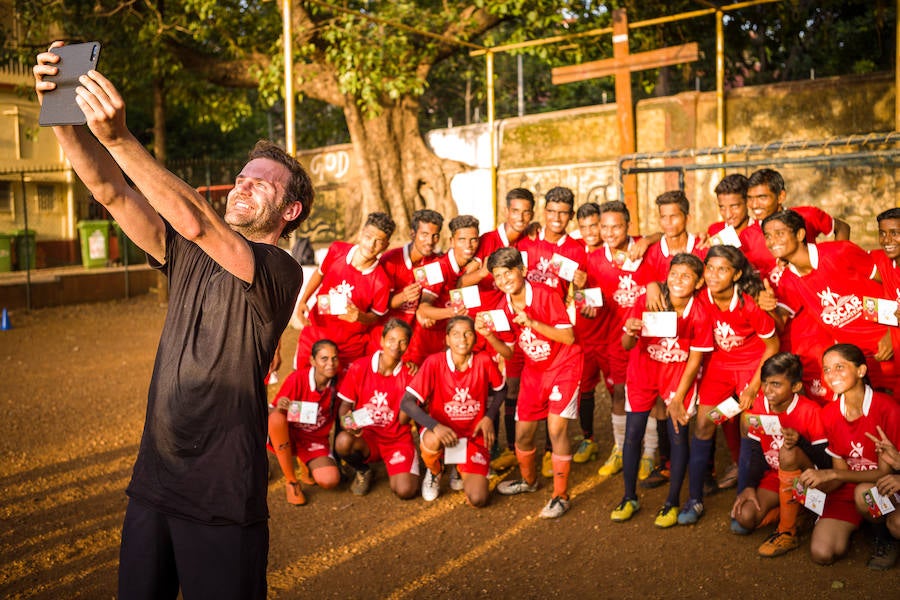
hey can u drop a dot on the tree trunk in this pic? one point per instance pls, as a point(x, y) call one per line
point(398, 173)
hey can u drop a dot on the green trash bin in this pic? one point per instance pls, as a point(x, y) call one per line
point(94, 243)
point(128, 249)
point(26, 249)
point(6, 242)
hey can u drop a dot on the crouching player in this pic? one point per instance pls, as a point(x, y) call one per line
point(300, 422)
point(773, 455)
point(453, 387)
point(551, 376)
point(375, 386)
point(858, 467)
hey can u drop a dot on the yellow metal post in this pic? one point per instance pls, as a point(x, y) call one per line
point(489, 60)
point(720, 78)
point(290, 142)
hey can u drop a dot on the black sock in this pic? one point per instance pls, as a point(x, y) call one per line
point(586, 415)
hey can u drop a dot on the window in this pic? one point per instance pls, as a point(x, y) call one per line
point(5, 196)
point(45, 198)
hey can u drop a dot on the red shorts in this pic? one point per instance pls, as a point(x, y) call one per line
point(306, 447)
point(649, 379)
point(770, 481)
point(551, 389)
point(841, 504)
point(348, 350)
point(478, 458)
point(399, 455)
point(719, 383)
point(596, 364)
point(618, 363)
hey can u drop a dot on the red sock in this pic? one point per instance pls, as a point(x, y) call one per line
point(561, 465)
point(431, 458)
point(526, 464)
point(788, 508)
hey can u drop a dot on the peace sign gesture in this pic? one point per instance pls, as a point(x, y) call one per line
point(885, 448)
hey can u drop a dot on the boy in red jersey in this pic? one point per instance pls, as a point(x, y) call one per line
point(436, 306)
point(351, 290)
point(765, 196)
point(399, 265)
point(448, 398)
point(829, 280)
point(519, 212)
point(550, 377)
point(772, 457)
point(674, 209)
point(886, 262)
point(375, 385)
point(617, 269)
point(731, 198)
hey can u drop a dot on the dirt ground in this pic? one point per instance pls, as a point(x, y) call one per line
point(73, 384)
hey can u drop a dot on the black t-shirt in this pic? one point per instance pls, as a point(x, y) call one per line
point(202, 454)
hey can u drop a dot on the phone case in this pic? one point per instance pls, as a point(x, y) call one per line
point(59, 107)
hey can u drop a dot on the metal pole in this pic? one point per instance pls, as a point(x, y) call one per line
point(290, 143)
point(27, 246)
point(489, 60)
point(520, 83)
point(720, 78)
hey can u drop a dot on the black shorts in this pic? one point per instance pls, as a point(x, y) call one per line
point(161, 553)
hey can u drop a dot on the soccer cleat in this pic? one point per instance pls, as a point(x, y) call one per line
point(506, 460)
point(587, 450)
point(517, 486)
point(690, 512)
point(547, 464)
point(625, 510)
point(666, 517)
point(612, 465)
point(294, 493)
point(431, 486)
point(456, 482)
point(645, 467)
point(884, 555)
point(557, 507)
point(780, 542)
point(658, 476)
point(729, 479)
point(362, 481)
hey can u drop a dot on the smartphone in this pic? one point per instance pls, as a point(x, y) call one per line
point(59, 107)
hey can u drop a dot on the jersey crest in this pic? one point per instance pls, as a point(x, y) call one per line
point(839, 310)
point(461, 407)
point(380, 409)
point(725, 337)
point(627, 292)
point(534, 348)
point(667, 351)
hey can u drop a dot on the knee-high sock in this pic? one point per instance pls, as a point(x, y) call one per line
point(651, 438)
point(662, 430)
point(586, 415)
point(700, 450)
point(431, 458)
point(788, 509)
point(635, 425)
point(526, 464)
point(679, 445)
point(618, 430)
point(561, 465)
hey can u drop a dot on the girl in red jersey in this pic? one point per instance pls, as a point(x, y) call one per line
point(551, 376)
point(454, 386)
point(857, 466)
point(745, 337)
point(300, 421)
point(664, 367)
point(375, 386)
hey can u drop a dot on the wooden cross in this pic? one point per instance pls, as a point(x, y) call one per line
point(621, 66)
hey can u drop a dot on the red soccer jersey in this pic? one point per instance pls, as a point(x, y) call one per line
point(364, 387)
point(428, 340)
point(753, 242)
point(738, 331)
point(833, 292)
point(487, 245)
point(802, 415)
point(368, 290)
point(818, 222)
point(398, 266)
point(544, 305)
point(658, 257)
point(457, 399)
point(693, 332)
point(539, 253)
point(621, 288)
point(300, 386)
point(591, 332)
point(890, 282)
point(847, 439)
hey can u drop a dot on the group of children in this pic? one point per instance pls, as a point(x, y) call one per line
point(785, 341)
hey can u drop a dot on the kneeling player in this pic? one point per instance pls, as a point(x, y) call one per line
point(379, 430)
point(774, 454)
point(454, 386)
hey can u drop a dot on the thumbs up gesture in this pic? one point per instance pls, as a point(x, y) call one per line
point(766, 297)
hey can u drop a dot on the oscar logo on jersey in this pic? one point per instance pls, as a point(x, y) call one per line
point(725, 337)
point(627, 292)
point(462, 406)
point(378, 407)
point(667, 351)
point(857, 460)
point(839, 310)
point(534, 348)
